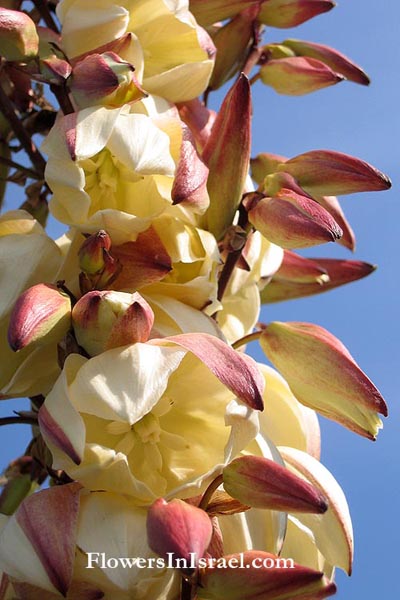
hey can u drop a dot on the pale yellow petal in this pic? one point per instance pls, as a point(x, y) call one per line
point(333, 530)
point(85, 26)
point(124, 384)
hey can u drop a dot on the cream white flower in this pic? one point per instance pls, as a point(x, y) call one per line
point(172, 55)
point(147, 421)
point(107, 159)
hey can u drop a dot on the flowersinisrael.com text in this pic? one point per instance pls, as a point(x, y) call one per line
point(99, 559)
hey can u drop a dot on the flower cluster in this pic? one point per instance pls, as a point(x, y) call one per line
point(159, 436)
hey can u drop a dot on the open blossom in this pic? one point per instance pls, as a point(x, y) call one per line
point(134, 420)
point(156, 433)
point(172, 55)
point(102, 159)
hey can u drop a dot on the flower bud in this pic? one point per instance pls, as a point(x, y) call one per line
point(232, 41)
point(326, 173)
point(262, 483)
point(299, 269)
point(99, 268)
point(290, 13)
point(91, 253)
point(324, 376)
point(106, 319)
point(42, 314)
point(296, 76)
point(337, 61)
point(263, 576)
point(179, 528)
point(19, 40)
point(227, 155)
point(208, 12)
point(104, 79)
point(287, 285)
point(293, 221)
point(54, 70)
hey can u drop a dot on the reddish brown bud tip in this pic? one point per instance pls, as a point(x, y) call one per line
point(326, 173)
point(91, 253)
point(42, 314)
point(294, 221)
point(227, 155)
point(290, 13)
point(335, 60)
point(179, 528)
point(262, 483)
point(264, 576)
point(104, 79)
point(296, 76)
point(105, 319)
point(324, 376)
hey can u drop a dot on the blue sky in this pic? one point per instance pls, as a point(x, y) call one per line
point(363, 122)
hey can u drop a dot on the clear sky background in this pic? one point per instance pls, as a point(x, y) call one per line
point(363, 122)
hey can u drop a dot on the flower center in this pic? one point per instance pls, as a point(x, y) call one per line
point(102, 177)
point(148, 429)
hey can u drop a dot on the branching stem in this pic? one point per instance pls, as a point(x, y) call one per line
point(43, 8)
point(63, 98)
point(14, 165)
point(8, 110)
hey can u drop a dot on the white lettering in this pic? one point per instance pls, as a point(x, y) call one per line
point(92, 558)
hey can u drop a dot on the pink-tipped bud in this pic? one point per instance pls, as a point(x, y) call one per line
point(104, 79)
point(262, 483)
point(296, 76)
point(179, 528)
point(227, 155)
point(298, 269)
point(91, 253)
point(295, 274)
point(106, 319)
point(208, 12)
point(232, 42)
point(290, 13)
point(324, 376)
point(54, 70)
point(42, 314)
point(287, 285)
point(337, 61)
point(263, 576)
point(293, 221)
point(19, 40)
point(326, 173)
